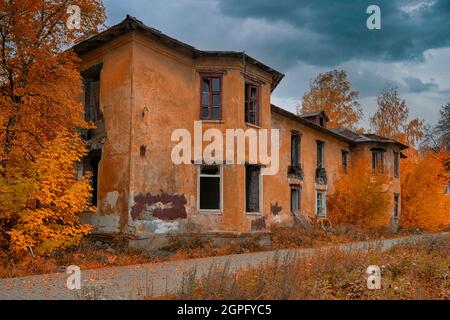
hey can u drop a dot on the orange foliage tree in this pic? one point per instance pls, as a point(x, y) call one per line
point(332, 92)
point(360, 197)
point(40, 113)
point(424, 203)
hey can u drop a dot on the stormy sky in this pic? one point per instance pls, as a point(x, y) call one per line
point(302, 38)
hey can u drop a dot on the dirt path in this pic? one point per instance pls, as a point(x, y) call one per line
point(135, 281)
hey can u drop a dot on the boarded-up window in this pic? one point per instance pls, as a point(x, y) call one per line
point(210, 194)
point(252, 175)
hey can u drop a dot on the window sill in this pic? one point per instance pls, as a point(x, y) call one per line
point(212, 121)
point(204, 211)
point(248, 124)
point(254, 213)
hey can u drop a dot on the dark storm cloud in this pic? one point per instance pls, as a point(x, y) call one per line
point(338, 32)
point(416, 85)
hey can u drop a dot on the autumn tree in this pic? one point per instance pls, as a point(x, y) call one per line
point(391, 118)
point(332, 92)
point(424, 204)
point(360, 198)
point(39, 111)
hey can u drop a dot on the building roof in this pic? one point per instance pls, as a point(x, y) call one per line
point(314, 113)
point(340, 133)
point(132, 24)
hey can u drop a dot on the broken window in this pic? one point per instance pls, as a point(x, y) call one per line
point(295, 199)
point(377, 161)
point(295, 149)
point(320, 154)
point(210, 188)
point(321, 203)
point(345, 156)
point(251, 104)
point(211, 98)
point(252, 174)
point(396, 164)
point(396, 204)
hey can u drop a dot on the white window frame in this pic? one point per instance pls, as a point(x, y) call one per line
point(324, 203)
point(220, 175)
point(261, 202)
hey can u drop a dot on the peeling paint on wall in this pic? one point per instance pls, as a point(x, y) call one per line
point(259, 224)
point(162, 206)
point(275, 208)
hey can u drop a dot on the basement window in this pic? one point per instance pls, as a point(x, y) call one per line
point(211, 98)
point(251, 104)
point(321, 203)
point(295, 199)
point(252, 186)
point(210, 188)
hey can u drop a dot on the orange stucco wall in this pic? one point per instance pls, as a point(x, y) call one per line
point(148, 90)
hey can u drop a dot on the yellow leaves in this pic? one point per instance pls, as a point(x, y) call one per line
point(331, 91)
point(424, 204)
point(48, 220)
point(360, 198)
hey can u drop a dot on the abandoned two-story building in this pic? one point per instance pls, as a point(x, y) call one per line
point(140, 85)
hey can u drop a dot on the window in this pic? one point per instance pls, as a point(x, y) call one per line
point(320, 154)
point(345, 156)
point(251, 104)
point(396, 165)
point(295, 149)
point(295, 199)
point(210, 187)
point(321, 203)
point(396, 204)
point(377, 161)
point(252, 175)
point(211, 98)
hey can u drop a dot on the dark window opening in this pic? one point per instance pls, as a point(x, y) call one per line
point(322, 121)
point(345, 156)
point(211, 98)
point(91, 164)
point(251, 104)
point(252, 174)
point(295, 150)
point(396, 205)
point(396, 165)
point(377, 161)
point(210, 195)
point(295, 199)
point(320, 154)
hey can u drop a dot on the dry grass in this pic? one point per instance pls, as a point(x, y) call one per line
point(88, 256)
point(411, 271)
